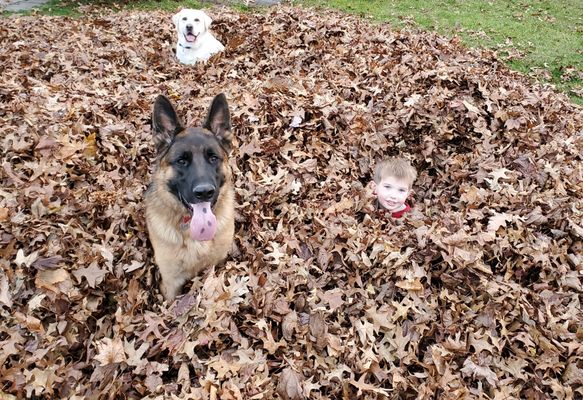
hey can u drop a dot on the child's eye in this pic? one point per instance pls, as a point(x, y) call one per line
point(402, 190)
point(388, 186)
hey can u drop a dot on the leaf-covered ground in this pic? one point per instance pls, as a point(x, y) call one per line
point(475, 295)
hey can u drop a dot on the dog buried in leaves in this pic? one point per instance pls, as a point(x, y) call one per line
point(190, 201)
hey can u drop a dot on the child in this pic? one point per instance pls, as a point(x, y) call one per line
point(393, 179)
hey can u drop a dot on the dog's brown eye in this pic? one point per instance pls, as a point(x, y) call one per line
point(213, 159)
point(196, 20)
point(184, 18)
point(182, 162)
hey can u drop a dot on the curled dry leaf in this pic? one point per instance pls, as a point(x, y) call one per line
point(110, 351)
point(289, 325)
point(318, 329)
point(289, 386)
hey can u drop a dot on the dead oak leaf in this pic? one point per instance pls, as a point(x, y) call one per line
point(40, 381)
point(110, 351)
point(93, 274)
point(56, 280)
point(362, 386)
point(289, 324)
point(414, 285)
point(333, 298)
point(477, 371)
point(5, 296)
point(573, 375)
point(318, 329)
point(224, 365)
point(135, 356)
point(278, 252)
point(23, 260)
point(4, 214)
point(152, 382)
point(289, 386)
point(470, 107)
point(365, 332)
point(412, 100)
point(379, 319)
point(513, 123)
point(47, 262)
point(250, 148)
point(342, 205)
point(498, 220)
point(496, 175)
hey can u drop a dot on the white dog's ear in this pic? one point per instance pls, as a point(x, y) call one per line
point(176, 18)
point(207, 21)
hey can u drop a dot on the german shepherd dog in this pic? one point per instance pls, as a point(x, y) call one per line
point(190, 202)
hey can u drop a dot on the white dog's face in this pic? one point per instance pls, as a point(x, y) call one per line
point(191, 24)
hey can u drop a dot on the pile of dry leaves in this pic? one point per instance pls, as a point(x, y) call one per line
point(476, 294)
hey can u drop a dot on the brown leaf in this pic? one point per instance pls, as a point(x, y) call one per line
point(318, 329)
point(4, 214)
point(289, 325)
point(52, 279)
point(482, 372)
point(5, 296)
point(289, 386)
point(92, 273)
point(110, 351)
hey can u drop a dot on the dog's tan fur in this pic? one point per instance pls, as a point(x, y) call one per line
point(178, 256)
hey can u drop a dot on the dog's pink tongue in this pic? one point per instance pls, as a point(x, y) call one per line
point(203, 224)
point(190, 37)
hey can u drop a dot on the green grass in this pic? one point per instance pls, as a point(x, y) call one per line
point(543, 38)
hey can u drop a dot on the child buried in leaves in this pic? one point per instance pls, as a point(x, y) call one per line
point(391, 185)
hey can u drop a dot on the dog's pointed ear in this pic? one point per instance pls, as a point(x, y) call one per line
point(165, 123)
point(218, 121)
point(207, 21)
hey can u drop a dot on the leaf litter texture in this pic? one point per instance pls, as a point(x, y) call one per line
point(476, 294)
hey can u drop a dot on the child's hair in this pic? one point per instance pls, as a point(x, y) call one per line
point(396, 167)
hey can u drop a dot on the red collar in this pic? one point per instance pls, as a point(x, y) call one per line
point(186, 219)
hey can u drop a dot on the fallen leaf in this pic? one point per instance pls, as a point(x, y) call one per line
point(289, 386)
point(110, 351)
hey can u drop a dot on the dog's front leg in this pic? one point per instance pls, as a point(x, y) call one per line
point(172, 283)
point(171, 271)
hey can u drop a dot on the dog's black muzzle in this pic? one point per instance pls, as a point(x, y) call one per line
point(203, 192)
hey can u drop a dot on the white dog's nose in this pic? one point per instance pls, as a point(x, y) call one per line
point(189, 27)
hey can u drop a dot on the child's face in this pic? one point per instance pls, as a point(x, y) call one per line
point(391, 193)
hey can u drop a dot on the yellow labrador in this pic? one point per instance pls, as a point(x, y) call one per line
point(195, 42)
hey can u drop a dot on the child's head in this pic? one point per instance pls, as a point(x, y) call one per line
point(393, 179)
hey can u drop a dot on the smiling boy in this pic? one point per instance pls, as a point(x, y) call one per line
point(393, 179)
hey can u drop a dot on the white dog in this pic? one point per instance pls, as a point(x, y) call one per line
point(195, 41)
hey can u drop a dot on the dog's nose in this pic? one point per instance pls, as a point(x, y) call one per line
point(189, 27)
point(203, 192)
